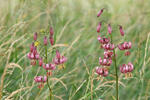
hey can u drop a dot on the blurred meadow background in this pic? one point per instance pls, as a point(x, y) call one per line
point(75, 23)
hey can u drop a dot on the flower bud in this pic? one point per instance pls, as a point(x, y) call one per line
point(45, 40)
point(51, 31)
point(40, 62)
point(100, 12)
point(31, 47)
point(51, 40)
point(34, 51)
point(121, 31)
point(109, 29)
point(35, 36)
point(99, 27)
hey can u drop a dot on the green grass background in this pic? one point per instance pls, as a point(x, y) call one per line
point(74, 22)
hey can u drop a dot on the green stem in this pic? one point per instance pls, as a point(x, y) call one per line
point(116, 70)
point(50, 90)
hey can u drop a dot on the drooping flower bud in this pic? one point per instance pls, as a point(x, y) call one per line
point(51, 40)
point(34, 51)
point(99, 27)
point(100, 12)
point(31, 47)
point(51, 31)
point(40, 62)
point(121, 31)
point(109, 29)
point(35, 36)
point(45, 40)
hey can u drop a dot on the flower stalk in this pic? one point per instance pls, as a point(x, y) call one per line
point(116, 69)
point(50, 90)
point(34, 56)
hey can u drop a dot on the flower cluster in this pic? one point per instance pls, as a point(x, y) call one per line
point(103, 40)
point(109, 50)
point(108, 46)
point(42, 60)
point(102, 71)
point(40, 79)
point(126, 68)
point(125, 46)
point(33, 55)
point(50, 66)
point(108, 54)
point(105, 61)
point(59, 59)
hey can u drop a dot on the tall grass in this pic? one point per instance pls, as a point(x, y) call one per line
point(74, 22)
